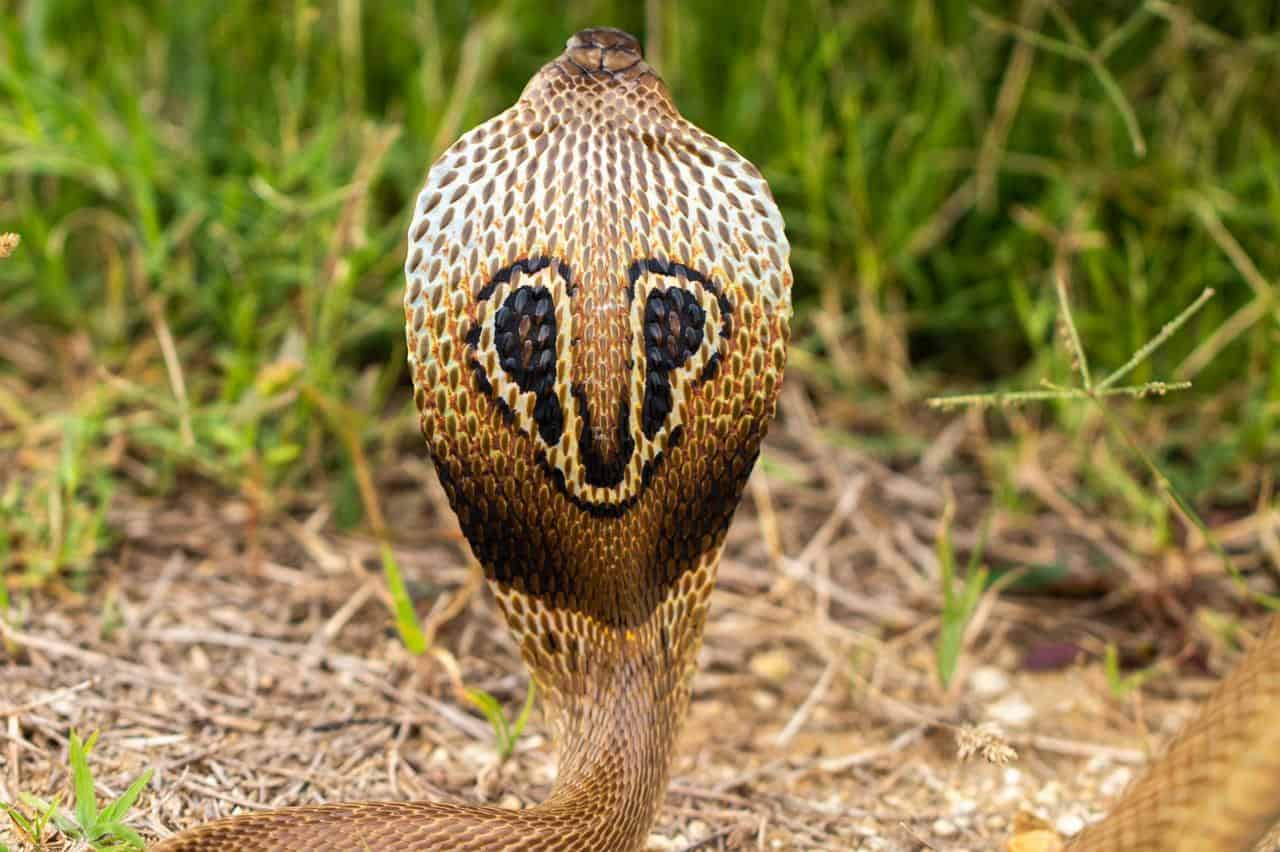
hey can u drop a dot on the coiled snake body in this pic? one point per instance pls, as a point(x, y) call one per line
point(597, 313)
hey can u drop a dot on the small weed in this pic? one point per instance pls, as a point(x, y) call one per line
point(31, 829)
point(1119, 683)
point(1098, 393)
point(505, 735)
point(55, 518)
point(103, 829)
point(340, 419)
point(956, 608)
point(958, 600)
point(407, 623)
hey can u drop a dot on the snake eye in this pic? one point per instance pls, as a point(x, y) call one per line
point(525, 340)
point(673, 332)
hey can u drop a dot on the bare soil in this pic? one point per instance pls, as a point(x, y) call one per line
point(253, 662)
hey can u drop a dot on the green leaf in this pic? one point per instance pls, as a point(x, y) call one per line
point(115, 811)
point(489, 706)
point(121, 832)
point(281, 454)
point(32, 830)
point(86, 799)
point(51, 811)
point(406, 618)
point(948, 654)
point(24, 824)
point(518, 728)
point(957, 607)
point(1122, 684)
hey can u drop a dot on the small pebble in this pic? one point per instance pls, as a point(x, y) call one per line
point(763, 700)
point(1069, 825)
point(1014, 711)
point(236, 512)
point(989, 681)
point(773, 666)
point(945, 828)
point(1116, 781)
point(1049, 794)
point(476, 755)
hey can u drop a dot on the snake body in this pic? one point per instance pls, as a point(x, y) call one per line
point(1217, 786)
point(597, 308)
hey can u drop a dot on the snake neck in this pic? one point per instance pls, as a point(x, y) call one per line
point(615, 698)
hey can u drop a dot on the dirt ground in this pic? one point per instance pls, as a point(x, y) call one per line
point(253, 664)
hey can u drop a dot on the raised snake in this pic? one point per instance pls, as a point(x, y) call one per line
point(597, 309)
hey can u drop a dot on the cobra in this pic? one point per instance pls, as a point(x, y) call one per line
point(597, 308)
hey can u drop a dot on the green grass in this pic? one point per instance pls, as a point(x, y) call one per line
point(101, 828)
point(212, 200)
point(960, 598)
point(505, 734)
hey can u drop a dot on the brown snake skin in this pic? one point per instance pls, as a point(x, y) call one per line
point(1217, 787)
point(597, 315)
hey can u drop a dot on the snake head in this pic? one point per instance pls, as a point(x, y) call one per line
point(603, 50)
point(597, 312)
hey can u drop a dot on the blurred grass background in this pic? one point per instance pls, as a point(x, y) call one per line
point(212, 199)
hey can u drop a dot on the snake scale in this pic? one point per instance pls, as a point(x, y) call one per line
point(597, 309)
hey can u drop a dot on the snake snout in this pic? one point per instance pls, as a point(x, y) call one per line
point(603, 49)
